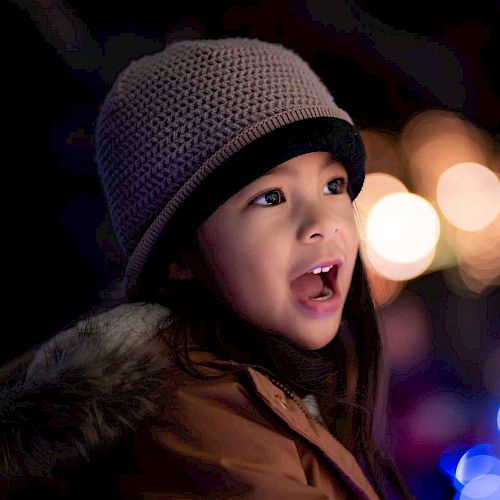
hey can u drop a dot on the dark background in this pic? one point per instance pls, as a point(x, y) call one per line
point(383, 62)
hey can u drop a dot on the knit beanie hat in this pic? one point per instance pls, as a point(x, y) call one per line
point(184, 129)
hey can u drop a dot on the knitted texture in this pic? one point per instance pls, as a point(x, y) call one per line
point(173, 117)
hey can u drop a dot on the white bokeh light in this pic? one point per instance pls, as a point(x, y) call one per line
point(376, 186)
point(402, 227)
point(397, 271)
point(468, 194)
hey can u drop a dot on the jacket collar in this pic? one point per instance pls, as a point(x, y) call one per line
point(288, 410)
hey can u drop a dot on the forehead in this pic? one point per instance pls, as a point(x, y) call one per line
point(309, 162)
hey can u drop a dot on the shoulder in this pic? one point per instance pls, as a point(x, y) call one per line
point(83, 389)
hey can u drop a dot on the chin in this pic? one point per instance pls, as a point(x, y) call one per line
point(313, 344)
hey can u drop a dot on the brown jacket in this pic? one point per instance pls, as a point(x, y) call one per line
point(108, 380)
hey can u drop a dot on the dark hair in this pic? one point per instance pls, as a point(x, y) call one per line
point(346, 375)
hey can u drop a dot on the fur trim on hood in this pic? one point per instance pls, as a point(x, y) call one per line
point(82, 391)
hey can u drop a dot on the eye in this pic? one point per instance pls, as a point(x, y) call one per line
point(275, 196)
point(338, 185)
point(271, 197)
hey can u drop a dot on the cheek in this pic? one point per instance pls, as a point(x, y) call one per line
point(210, 255)
point(243, 266)
point(221, 252)
point(355, 239)
point(351, 228)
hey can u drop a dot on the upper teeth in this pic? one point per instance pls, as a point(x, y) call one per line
point(318, 270)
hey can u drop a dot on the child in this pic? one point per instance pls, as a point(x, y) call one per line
point(244, 361)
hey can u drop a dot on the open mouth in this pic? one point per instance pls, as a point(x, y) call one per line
point(326, 292)
point(315, 287)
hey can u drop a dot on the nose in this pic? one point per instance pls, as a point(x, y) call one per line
point(318, 221)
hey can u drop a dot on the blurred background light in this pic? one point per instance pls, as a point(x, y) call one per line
point(402, 227)
point(397, 271)
point(468, 194)
point(376, 186)
point(401, 233)
point(448, 462)
point(478, 258)
point(434, 141)
point(383, 153)
point(498, 418)
point(406, 332)
point(477, 461)
point(486, 487)
point(438, 418)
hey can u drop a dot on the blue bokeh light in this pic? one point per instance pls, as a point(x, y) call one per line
point(475, 474)
point(449, 460)
point(498, 418)
point(478, 461)
point(484, 487)
point(470, 468)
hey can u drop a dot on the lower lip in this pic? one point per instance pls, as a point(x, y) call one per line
point(323, 307)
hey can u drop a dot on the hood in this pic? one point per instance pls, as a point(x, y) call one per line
point(81, 391)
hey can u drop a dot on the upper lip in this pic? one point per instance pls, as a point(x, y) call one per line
point(320, 263)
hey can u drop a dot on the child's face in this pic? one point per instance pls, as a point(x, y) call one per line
point(272, 231)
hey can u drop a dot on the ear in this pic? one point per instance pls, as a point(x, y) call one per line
point(179, 270)
point(186, 260)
